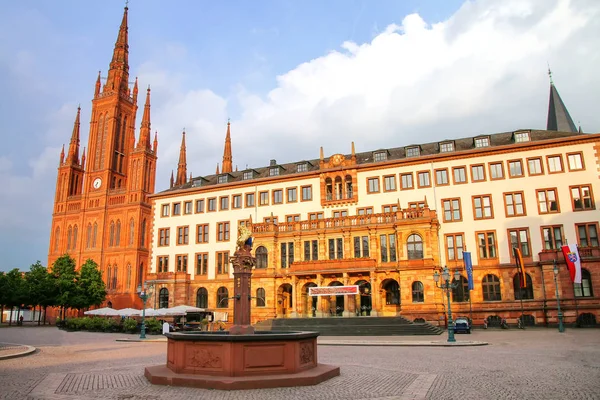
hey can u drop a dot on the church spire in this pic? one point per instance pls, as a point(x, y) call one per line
point(182, 166)
point(73, 156)
point(118, 73)
point(559, 118)
point(144, 141)
point(227, 167)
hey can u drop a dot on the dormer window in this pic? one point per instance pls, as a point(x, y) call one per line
point(413, 151)
point(302, 167)
point(521, 137)
point(248, 175)
point(482, 142)
point(222, 178)
point(380, 156)
point(446, 147)
point(274, 171)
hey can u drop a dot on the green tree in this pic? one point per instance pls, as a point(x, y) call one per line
point(65, 278)
point(42, 290)
point(91, 290)
point(16, 292)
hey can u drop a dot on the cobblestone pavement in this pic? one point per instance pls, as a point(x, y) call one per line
point(531, 364)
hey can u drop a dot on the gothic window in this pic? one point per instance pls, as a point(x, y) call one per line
point(491, 288)
point(202, 298)
point(260, 297)
point(111, 234)
point(262, 257)
point(74, 242)
point(222, 297)
point(163, 298)
point(118, 234)
point(525, 293)
point(115, 274)
point(128, 276)
point(56, 238)
point(418, 295)
point(108, 278)
point(69, 234)
point(94, 235)
point(415, 247)
point(131, 231)
point(143, 234)
point(88, 236)
point(99, 141)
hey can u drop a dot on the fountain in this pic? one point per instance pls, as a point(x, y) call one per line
point(241, 358)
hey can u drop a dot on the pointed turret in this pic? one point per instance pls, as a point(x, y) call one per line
point(98, 84)
point(118, 73)
point(155, 145)
point(73, 156)
point(83, 159)
point(62, 155)
point(172, 179)
point(182, 166)
point(190, 176)
point(144, 141)
point(558, 115)
point(135, 91)
point(227, 166)
point(217, 169)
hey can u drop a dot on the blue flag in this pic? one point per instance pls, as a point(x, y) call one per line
point(469, 268)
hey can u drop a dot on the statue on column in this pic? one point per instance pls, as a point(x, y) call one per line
point(242, 262)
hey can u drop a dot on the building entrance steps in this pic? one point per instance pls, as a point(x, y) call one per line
point(352, 326)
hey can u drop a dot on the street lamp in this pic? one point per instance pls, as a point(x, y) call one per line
point(446, 285)
point(561, 327)
point(143, 294)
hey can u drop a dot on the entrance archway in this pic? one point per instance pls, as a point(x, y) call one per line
point(284, 299)
point(309, 303)
point(336, 303)
point(391, 289)
point(365, 304)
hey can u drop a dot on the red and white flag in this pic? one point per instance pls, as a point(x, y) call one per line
point(573, 262)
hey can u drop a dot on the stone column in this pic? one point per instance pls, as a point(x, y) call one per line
point(375, 296)
point(319, 312)
point(242, 262)
point(295, 297)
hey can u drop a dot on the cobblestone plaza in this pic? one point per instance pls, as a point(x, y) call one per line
point(531, 364)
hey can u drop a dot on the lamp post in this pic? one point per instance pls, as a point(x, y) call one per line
point(446, 285)
point(561, 327)
point(143, 294)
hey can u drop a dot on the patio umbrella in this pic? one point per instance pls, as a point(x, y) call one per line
point(105, 311)
point(128, 312)
point(183, 309)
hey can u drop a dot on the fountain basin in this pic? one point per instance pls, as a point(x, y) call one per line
point(219, 360)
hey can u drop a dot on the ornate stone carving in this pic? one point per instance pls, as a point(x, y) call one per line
point(307, 353)
point(204, 358)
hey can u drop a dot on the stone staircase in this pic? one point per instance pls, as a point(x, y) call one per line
point(353, 326)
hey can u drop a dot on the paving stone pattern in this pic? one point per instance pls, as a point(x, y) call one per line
point(535, 364)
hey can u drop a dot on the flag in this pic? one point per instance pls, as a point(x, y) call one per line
point(573, 262)
point(469, 268)
point(520, 266)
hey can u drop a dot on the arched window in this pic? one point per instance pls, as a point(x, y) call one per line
point(329, 188)
point(163, 298)
point(525, 293)
point(202, 298)
point(260, 297)
point(128, 276)
point(143, 234)
point(349, 190)
point(461, 292)
point(118, 234)
point(108, 278)
point(131, 231)
point(94, 235)
point(56, 238)
point(69, 233)
point(491, 288)
point(74, 243)
point(584, 289)
point(392, 292)
point(338, 188)
point(222, 297)
point(88, 236)
point(115, 275)
point(262, 257)
point(417, 292)
point(415, 247)
point(111, 234)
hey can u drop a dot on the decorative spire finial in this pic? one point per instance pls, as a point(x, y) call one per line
point(550, 74)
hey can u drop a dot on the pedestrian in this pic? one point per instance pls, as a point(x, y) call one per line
point(485, 323)
point(21, 320)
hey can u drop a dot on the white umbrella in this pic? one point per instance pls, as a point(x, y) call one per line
point(105, 311)
point(182, 310)
point(128, 312)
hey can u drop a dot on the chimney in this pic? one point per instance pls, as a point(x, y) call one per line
point(273, 163)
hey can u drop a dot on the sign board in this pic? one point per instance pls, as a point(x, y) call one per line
point(333, 290)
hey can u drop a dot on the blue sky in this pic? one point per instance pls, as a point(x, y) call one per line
point(291, 75)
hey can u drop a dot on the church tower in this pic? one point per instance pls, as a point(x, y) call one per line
point(101, 207)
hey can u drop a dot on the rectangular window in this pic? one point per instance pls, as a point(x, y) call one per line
point(339, 214)
point(270, 220)
point(315, 216)
point(277, 196)
point(441, 177)
point(487, 244)
point(201, 263)
point(292, 195)
point(187, 207)
point(224, 203)
point(182, 263)
point(248, 175)
point(287, 254)
point(424, 179)
point(519, 238)
point(451, 209)
point(336, 249)
point(460, 175)
point(482, 207)
point(361, 246)
point(162, 263)
point(306, 193)
point(274, 171)
point(199, 206)
point(164, 236)
point(446, 147)
point(183, 234)
point(575, 161)
point(454, 246)
point(412, 151)
point(387, 244)
point(521, 137)
point(380, 156)
point(477, 173)
point(222, 231)
point(496, 171)
point(515, 168)
point(407, 181)
point(581, 198)
point(372, 185)
point(222, 262)
point(237, 200)
point(165, 210)
point(311, 250)
point(389, 183)
point(292, 218)
point(222, 178)
point(552, 237)
point(176, 208)
point(263, 198)
point(416, 204)
point(202, 233)
point(364, 211)
point(534, 165)
point(388, 208)
point(212, 204)
point(587, 234)
point(547, 201)
point(303, 167)
point(250, 200)
point(514, 204)
point(482, 142)
point(554, 164)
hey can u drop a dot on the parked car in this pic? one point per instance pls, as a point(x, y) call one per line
point(462, 325)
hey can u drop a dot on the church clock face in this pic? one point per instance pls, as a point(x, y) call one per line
point(97, 183)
